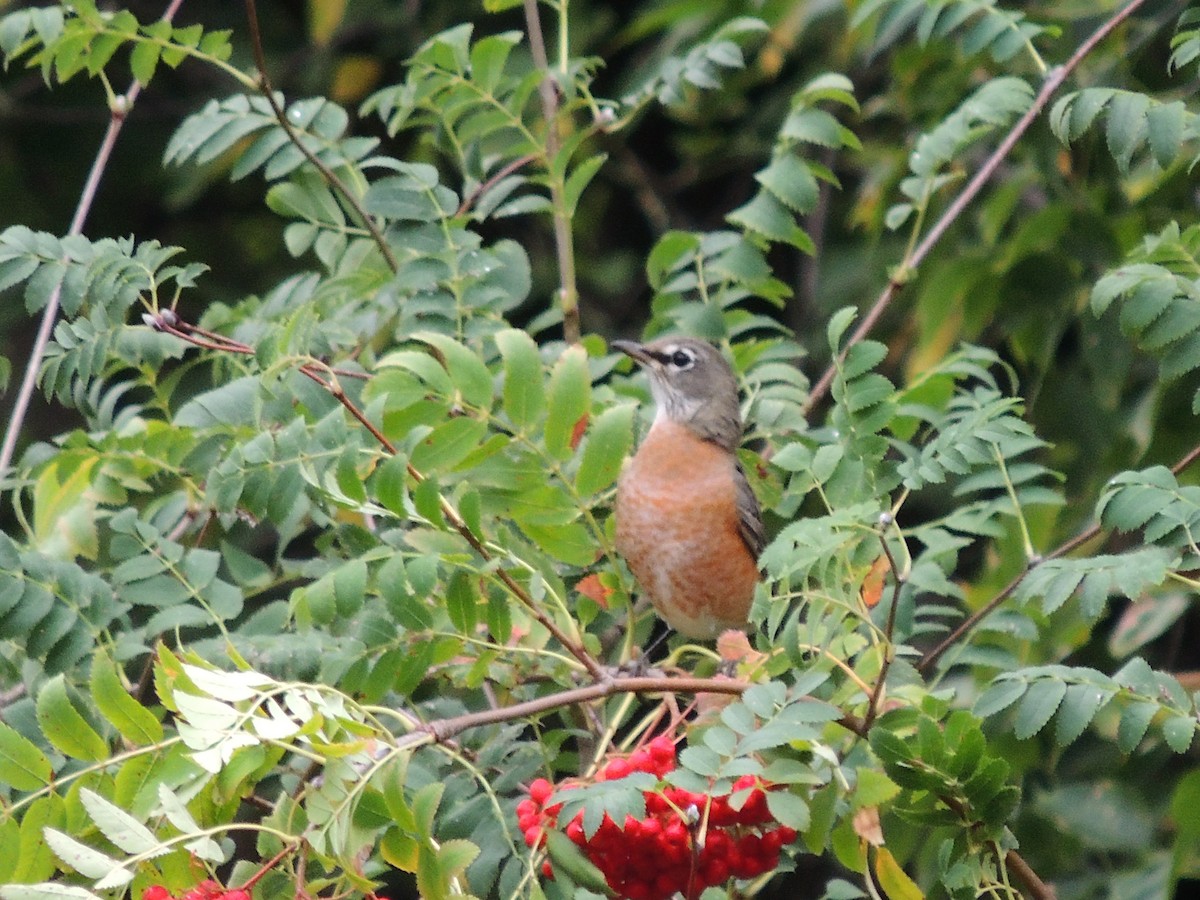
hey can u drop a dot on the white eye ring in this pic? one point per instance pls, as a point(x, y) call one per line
point(681, 358)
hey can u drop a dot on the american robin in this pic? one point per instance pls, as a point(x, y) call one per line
point(688, 522)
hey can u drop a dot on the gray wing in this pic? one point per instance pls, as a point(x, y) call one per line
point(750, 522)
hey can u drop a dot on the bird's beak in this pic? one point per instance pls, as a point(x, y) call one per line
point(635, 351)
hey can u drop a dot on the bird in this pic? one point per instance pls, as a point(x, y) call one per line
point(687, 521)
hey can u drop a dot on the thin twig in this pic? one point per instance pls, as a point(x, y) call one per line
point(503, 172)
point(320, 374)
point(1092, 531)
point(1053, 81)
point(331, 177)
point(444, 729)
point(568, 289)
point(1037, 888)
point(119, 110)
point(889, 653)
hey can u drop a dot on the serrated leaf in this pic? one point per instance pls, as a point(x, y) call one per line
point(892, 878)
point(1135, 720)
point(609, 438)
point(22, 765)
point(467, 372)
point(133, 721)
point(119, 826)
point(64, 727)
point(1038, 705)
point(1179, 732)
point(524, 392)
point(82, 858)
point(873, 788)
point(1000, 695)
point(568, 400)
point(579, 179)
point(1079, 707)
point(1126, 130)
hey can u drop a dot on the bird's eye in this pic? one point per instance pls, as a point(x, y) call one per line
point(681, 359)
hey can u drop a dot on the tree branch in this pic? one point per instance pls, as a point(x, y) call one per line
point(568, 289)
point(326, 378)
point(930, 659)
point(119, 109)
point(1053, 81)
point(331, 177)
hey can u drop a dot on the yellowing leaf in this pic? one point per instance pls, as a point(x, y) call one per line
point(64, 519)
point(895, 882)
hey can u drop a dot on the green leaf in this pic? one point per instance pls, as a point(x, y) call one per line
point(143, 61)
point(873, 788)
point(579, 179)
point(64, 727)
point(22, 765)
point(1127, 126)
point(1135, 720)
point(569, 398)
point(1164, 129)
point(462, 602)
point(1038, 705)
point(570, 861)
point(790, 182)
point(1179, 732)
point(524, 392)
point(1000, 695)
point(469, 375)
point(133, 721)
point(608, 441)
point(448, 444)
point(1077, 710)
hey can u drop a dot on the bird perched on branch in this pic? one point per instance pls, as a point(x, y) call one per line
point(688, 522)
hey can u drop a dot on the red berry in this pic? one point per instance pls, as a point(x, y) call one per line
point(242, 895)
point(641, 761)
point(540, 790)
point(656, 803)
point(156, 892)
point(662, 748)
point(534, 836)
point(617, 768)
point(575, 831)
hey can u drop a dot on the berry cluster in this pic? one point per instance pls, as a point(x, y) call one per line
point(665, 853)
point(205, 890)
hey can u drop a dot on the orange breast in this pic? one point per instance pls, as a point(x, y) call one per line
point(677, 527)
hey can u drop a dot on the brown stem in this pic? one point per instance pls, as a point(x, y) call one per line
point(331, 177)
point(1036, 888)
point(319, 373)
point(1092, 531)
point(1053, 81)
point(889, 629)
point(445, 729)
point(519, 163)
point(568, 290)
point(594, 669)
point(118, 111)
